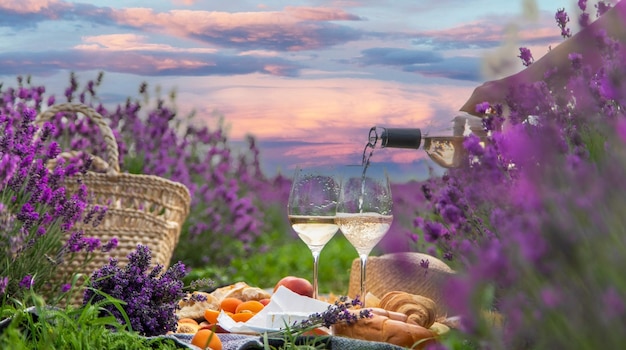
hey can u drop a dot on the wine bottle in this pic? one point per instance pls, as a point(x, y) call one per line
point(445, 147)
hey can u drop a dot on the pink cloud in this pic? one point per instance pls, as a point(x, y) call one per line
point(29, 6)
point(131, 42)
point(292, 29)
point(476, 31)
point(320, 14)
point(329, 111)
point(491, 32)
point(184, 2)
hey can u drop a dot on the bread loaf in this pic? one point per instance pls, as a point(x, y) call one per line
point(190, 307)
point(242, 291)
point(388, 327)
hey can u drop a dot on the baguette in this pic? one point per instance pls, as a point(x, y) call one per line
point(388, 327)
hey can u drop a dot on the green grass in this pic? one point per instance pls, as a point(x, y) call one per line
point(72, 328)
point(293, 258)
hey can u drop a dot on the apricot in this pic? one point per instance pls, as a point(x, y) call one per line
point(211, 315)
point(253, 306)
point(206, 339)
point(230, 304)
point(242, 316)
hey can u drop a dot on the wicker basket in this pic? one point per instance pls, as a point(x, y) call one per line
point(142, 209)
point(402, 272)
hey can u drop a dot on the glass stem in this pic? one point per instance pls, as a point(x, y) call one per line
point(316, 258)
point(363, 291)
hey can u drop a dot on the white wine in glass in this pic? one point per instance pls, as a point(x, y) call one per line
point(364, 210)
point(312, 207)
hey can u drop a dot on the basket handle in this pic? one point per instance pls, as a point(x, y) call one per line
point(98, 163)
point(112, 153)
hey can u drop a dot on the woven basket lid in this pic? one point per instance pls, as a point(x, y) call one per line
point(402, 272)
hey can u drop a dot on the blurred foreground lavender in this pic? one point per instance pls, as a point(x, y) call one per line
point(534, 221)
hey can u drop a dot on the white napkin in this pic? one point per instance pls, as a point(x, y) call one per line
point(283, 302)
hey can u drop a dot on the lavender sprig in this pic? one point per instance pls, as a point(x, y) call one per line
point(150, 297)
point(336, 313)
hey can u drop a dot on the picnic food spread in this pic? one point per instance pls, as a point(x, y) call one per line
point(398, 318)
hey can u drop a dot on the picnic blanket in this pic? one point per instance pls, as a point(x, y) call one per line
point(255, 342)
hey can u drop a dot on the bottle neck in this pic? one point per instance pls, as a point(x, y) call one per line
point(399, 137)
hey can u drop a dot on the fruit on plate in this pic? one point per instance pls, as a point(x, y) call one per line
point(199, 310)
point(297, 285)
point(194, 304)
point(238, 310)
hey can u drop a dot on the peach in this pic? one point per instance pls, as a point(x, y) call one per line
point(297, 285)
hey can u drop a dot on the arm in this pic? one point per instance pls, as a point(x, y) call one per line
point(613, 22)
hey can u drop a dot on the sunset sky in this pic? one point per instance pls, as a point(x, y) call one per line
point(306, 78)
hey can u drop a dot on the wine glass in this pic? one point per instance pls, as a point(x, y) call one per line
point(364, 210)
point(312, 207)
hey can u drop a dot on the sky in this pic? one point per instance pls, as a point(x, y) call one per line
point(307, 79)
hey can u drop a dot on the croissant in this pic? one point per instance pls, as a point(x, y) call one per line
point(386, 326)
point(419, 310)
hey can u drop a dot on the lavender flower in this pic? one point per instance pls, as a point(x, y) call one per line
point(36, 211)
point(602, 7)
point(202, 283)
point(524, 219)
point(583, 19)
point(562, 19)
point(336, 313)
point(576, 60)
point(110, 245)
point(4, 282)
point(151, 297)
point(526, 56)
point(483, 107)
point(26, 282)
point(91, 244)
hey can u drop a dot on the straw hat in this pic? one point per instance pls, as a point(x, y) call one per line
point(402, 272)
